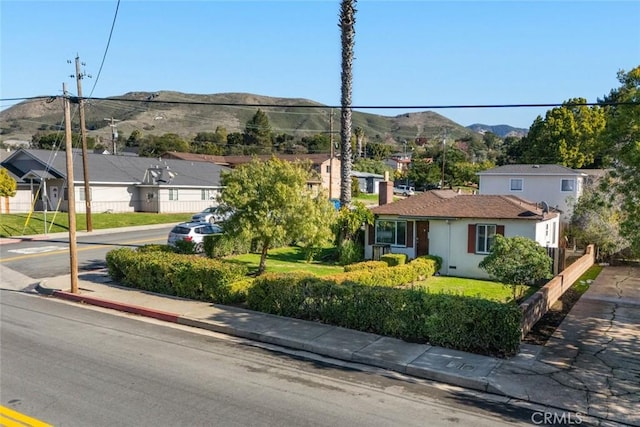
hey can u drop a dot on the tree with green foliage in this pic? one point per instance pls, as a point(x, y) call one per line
point(349, 234)
point(272, 206)
point(319, 143)
point(372, 166)
point(258, 131)
point(56, 140)
point(155, 146)
point(8, 187)
point(517, 261)
point(378, 150)
point(569, 136)
point(347, 38)
point(596, 219)
point(464, 173)
point(622, 141)
point(134, 139)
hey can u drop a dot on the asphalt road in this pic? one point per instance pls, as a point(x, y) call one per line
point(49, 257)
point(68, 365)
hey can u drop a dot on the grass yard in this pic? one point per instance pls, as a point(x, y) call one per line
point(23, 224)
point(285, 260)
point(486, 289)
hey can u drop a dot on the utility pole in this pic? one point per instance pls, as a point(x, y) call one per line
point(114, 134)
point(83, 132)
point(73, 252)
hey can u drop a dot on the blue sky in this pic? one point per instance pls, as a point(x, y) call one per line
point(407, 53)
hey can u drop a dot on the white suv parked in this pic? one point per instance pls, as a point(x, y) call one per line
point(404, 190)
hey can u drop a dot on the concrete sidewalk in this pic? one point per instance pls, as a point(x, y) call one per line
point(589, 371)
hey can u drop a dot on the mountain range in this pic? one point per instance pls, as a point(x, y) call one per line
point(157, 113)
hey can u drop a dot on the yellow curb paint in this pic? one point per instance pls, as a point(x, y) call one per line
point(11, 418)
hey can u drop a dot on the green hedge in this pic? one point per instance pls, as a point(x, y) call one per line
point(187, 276)
point(394, 260)
point(453, 321)
point(365, 265)
point(222, 245)
point(418, 269)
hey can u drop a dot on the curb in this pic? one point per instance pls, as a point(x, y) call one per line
point(128, 308)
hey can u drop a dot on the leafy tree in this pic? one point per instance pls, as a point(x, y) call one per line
point(134, 139)
point(8, 187)
point(348, 232)
point(622, 139)
point(466, 172)
point(378, 150)
point(347, 38)
point(258, 131)
point(517, 261)
point(424, 171)
point(154, 146)
point(569, 135)
point(272, 205)
point(596, 219)
point(319, 143)
point(372, 166)
point(513, 150)
point(359, 135)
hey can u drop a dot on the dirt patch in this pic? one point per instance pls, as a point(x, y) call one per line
point(546, 326)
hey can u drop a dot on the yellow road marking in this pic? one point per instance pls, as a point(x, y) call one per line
point(11, 418)
point(19, 257)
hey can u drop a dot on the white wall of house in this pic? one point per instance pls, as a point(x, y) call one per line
point(20, 203)
point(536, 188)
point(185, 199)
point(107, 198)
point(449, 239)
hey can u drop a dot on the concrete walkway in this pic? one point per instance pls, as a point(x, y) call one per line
point(588, 372)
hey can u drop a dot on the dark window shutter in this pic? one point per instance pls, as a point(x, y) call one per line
point(372, 233)
point(410, 234)
point(500, 230)
point(471, 239)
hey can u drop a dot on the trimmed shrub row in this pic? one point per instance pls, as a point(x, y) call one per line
point(187, 276)
point(453, 321)
point(394, 259)
point(365, 265)
point(418, 269)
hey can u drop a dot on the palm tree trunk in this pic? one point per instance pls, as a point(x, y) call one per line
point(347, 27)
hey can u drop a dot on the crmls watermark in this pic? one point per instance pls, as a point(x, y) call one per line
point(557, 418)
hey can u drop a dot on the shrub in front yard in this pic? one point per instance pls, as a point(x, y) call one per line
point(187, 276)
point(394, 259)
point(365, 265)
point(453, 321)
point(222, 245)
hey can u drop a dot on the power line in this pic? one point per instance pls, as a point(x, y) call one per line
point(104, 56)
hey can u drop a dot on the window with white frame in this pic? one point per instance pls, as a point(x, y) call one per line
point(568, 185)
point(391, 232)
point(516, 184)
point(173, 194)
point(81, 195)
point(485, 235)
point(206, 194)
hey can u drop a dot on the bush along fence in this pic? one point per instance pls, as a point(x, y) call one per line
point(539, 303)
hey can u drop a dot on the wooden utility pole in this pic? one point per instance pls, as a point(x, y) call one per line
point(114, 134)
point(83, 133)
point(71, 207)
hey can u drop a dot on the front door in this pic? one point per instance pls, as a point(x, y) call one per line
point(422, 238)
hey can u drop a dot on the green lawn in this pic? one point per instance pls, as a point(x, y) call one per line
point(23, 224)
point(287, 259)
point(471, 287)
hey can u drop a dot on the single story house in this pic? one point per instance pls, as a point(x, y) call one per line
point(368, 182)
point(459, 228)
point(117, 183)
point(327, 167)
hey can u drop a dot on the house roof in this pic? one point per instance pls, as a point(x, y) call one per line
point(113, 169)
point(232, 161)
point(528, 169)
point(358, 174)
point(449, 204)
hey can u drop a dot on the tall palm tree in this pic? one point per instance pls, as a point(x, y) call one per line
point(347, 29)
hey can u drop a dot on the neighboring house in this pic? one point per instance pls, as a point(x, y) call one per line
point(326, 167)
point(459, 228)
point(399, 162)
point(118, 183)
point(368, 183)
point(558, 186)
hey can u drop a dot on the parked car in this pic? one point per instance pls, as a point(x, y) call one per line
point(192, 232)
point(404, 190)
point(212, 215)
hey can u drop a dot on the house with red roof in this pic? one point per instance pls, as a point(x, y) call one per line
point(459, 228)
